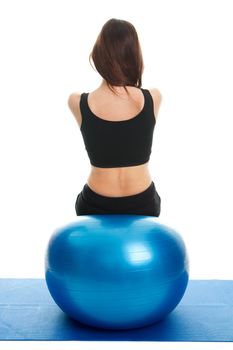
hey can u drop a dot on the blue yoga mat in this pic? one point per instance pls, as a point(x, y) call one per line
point(28, 312)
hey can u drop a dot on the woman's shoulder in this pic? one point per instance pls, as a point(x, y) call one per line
point(73, 103)
point(73, 99)
point(157, 99)
point(156, 94)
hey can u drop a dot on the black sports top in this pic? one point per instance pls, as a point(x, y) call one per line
point(122, 143)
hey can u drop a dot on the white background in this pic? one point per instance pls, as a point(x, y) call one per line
point(187, 48)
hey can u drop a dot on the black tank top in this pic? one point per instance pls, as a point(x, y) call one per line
point(123, 143)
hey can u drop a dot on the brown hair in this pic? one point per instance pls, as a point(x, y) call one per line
point(117, 54)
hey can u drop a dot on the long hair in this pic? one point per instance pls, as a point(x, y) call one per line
point(117, 54)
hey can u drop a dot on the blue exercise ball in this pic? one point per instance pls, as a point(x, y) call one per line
point(116, 271)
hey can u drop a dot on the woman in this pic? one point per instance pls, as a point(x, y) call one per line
point(117, 123)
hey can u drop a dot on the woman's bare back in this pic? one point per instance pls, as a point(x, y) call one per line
point(105, 104)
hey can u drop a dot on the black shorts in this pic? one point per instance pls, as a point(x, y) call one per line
point(147, 203)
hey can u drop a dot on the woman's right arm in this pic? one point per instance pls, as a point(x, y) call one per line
point(157, 99)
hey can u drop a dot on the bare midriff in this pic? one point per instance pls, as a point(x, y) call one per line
point(119, 182)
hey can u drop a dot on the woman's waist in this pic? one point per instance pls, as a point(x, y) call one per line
point(119, 186)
